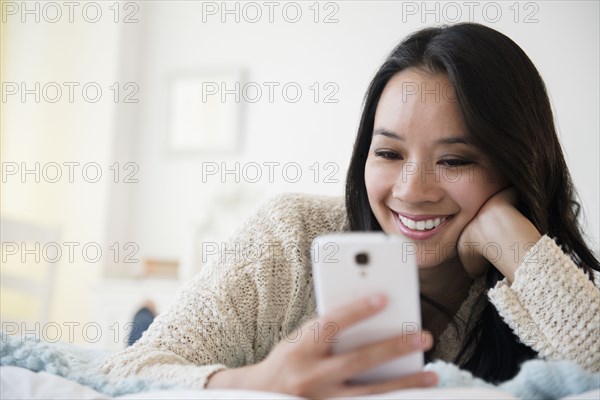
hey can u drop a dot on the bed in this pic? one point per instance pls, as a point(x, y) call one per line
point(34, 369)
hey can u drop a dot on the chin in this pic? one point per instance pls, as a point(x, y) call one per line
point(426, 264)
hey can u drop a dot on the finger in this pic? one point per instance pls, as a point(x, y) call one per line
point(349, 314)
point(348, 365)
point(331, 323)
point(418, 380)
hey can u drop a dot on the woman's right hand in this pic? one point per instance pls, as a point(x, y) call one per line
point(307, 367)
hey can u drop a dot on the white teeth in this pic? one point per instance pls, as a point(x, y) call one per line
point(408, 222)
point(422, 225)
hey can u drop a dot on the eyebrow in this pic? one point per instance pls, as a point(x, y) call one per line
point(445, 140)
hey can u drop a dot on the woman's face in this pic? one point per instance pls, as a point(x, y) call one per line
point(424, 180)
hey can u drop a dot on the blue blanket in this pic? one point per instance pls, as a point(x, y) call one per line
point(537, 379)
point(71, 362)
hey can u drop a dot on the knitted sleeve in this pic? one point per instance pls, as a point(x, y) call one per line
point(228, 316)
point(212, 323)
point(552, 306)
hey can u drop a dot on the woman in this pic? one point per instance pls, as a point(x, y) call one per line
point(457, 150)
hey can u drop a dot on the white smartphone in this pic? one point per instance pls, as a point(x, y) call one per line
point(348, 266)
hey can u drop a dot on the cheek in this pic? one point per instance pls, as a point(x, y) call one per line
point(472, 193)
point(379, 181)
point(469, 200)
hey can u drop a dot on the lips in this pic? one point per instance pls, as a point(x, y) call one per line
point(420, 227)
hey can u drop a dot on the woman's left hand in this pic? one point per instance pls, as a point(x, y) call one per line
point(498, 234)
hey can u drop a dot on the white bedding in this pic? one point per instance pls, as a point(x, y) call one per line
point(21, 383)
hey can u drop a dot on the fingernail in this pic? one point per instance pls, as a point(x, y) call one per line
point(377, 301)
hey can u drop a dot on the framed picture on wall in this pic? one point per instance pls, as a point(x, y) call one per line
point(205, 112)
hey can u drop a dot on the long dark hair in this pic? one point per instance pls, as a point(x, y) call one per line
point(507, 113)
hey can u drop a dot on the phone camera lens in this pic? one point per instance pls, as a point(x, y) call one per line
point(362, 258)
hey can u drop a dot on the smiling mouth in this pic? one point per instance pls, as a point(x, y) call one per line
point(422, 224)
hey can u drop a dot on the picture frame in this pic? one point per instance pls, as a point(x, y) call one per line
point(205, 116)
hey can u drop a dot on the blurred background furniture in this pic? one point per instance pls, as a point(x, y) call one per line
point(25, 272)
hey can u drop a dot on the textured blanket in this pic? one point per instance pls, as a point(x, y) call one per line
point(537, 379)
point(71, 362)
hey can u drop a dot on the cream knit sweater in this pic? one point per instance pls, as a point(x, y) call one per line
point(260, 288)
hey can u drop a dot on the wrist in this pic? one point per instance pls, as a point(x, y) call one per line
point(507, 233)
point(494, 224)
point(234, 378)
point(219, 379)
point(225, 379)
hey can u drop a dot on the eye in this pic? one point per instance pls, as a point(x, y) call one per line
point(387, 154)
point(454, 162)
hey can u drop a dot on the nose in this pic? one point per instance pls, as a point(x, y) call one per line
point(418, 183)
